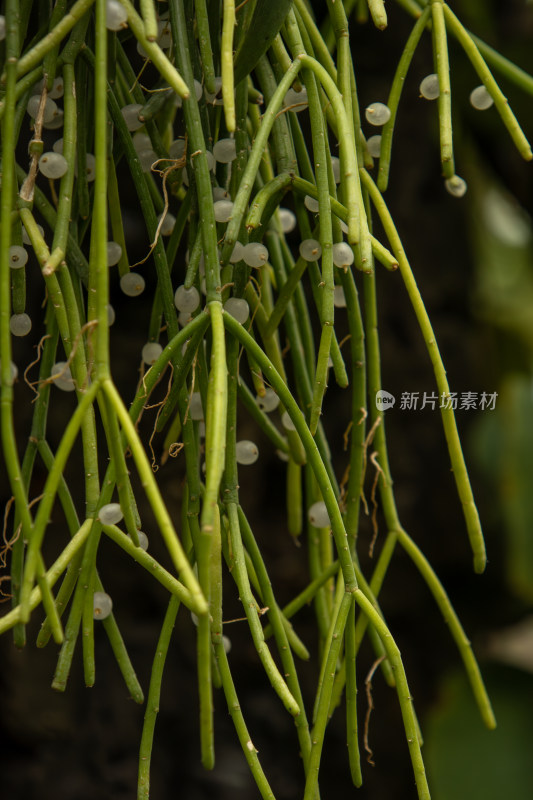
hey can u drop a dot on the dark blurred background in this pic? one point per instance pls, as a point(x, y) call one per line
point(473, 259)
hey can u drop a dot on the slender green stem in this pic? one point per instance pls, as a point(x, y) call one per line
point(98, 270)
point(154, 694)
point(319, 727)
point(356, 218)
point(217, 403)
point(52, 575)
point(448, 418)
point(241, 578)
point(456, 629)
point(11, 457)
point(500, 101)
point(226, 57)
point(404, 694)
point(149, 18)
point(442, 65)
point(45, 506)
point(255, 156)
point(351, 699)
point(379, 15)
point(383, 255)
point(395, 93)
point(121, 655)
point(155, 54)
point(204, 43)
point(52, 39)
point(313, 455)
point(234, 709)
point(154, 496)
point(276, 618)
point(262, 419)
point(150, 565)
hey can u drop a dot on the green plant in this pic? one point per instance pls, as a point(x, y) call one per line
point(212, 352)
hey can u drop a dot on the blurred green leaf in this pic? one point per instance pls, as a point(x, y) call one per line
point(266, 21)
point(465, 761)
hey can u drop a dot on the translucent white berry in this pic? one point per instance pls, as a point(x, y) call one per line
point(50, 107)
point(339, 300)
point(195, 407)
point(226, 644)
point(374, 145)
point(318, 515)
point(287, 220)
point(269, 402)
point(246, 452)
point(20, 324)
point(311, 204)
point(429, 87)
point(141, 141)
point(26, 239)
point(131, 116)
point(456, 186)
point(212, 98)
point(147, 158)
point(177, 148)
point(198, 89)
point(297, 99)
point(102, 605)
point(110, 314)
point(55, 123)
point(342, 254)
point(225, 151)
point(13, 373)
point(110, 514)
point(57, 90)
point(114, 253)
point(116, 16)
point(168, 224)
point(53, 165)
point(57, 146)
point(223, 210)
point(336, 169)
point(64, 379)
point(142, 52)
point(237, 252)
point(151, 352)
point(18, 256)
point(219, 193)
point(480, 98)
point(90, 167)
point(255, 254)
point(2, 28)
point(310, 249)
point(287, 422)
point(377, 114)
point(164, 38)
point(184, 317)
point(187, 299)
point(143, 540)
point(132, 284)
point(237, 308)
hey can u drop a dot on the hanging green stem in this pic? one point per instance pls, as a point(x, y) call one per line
point(154, 694)
point(500, 101)
point(154, 496)
point(155, 54)
point(448, 418)
point(226, 57)
point(394, 97)
point(442, 66)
